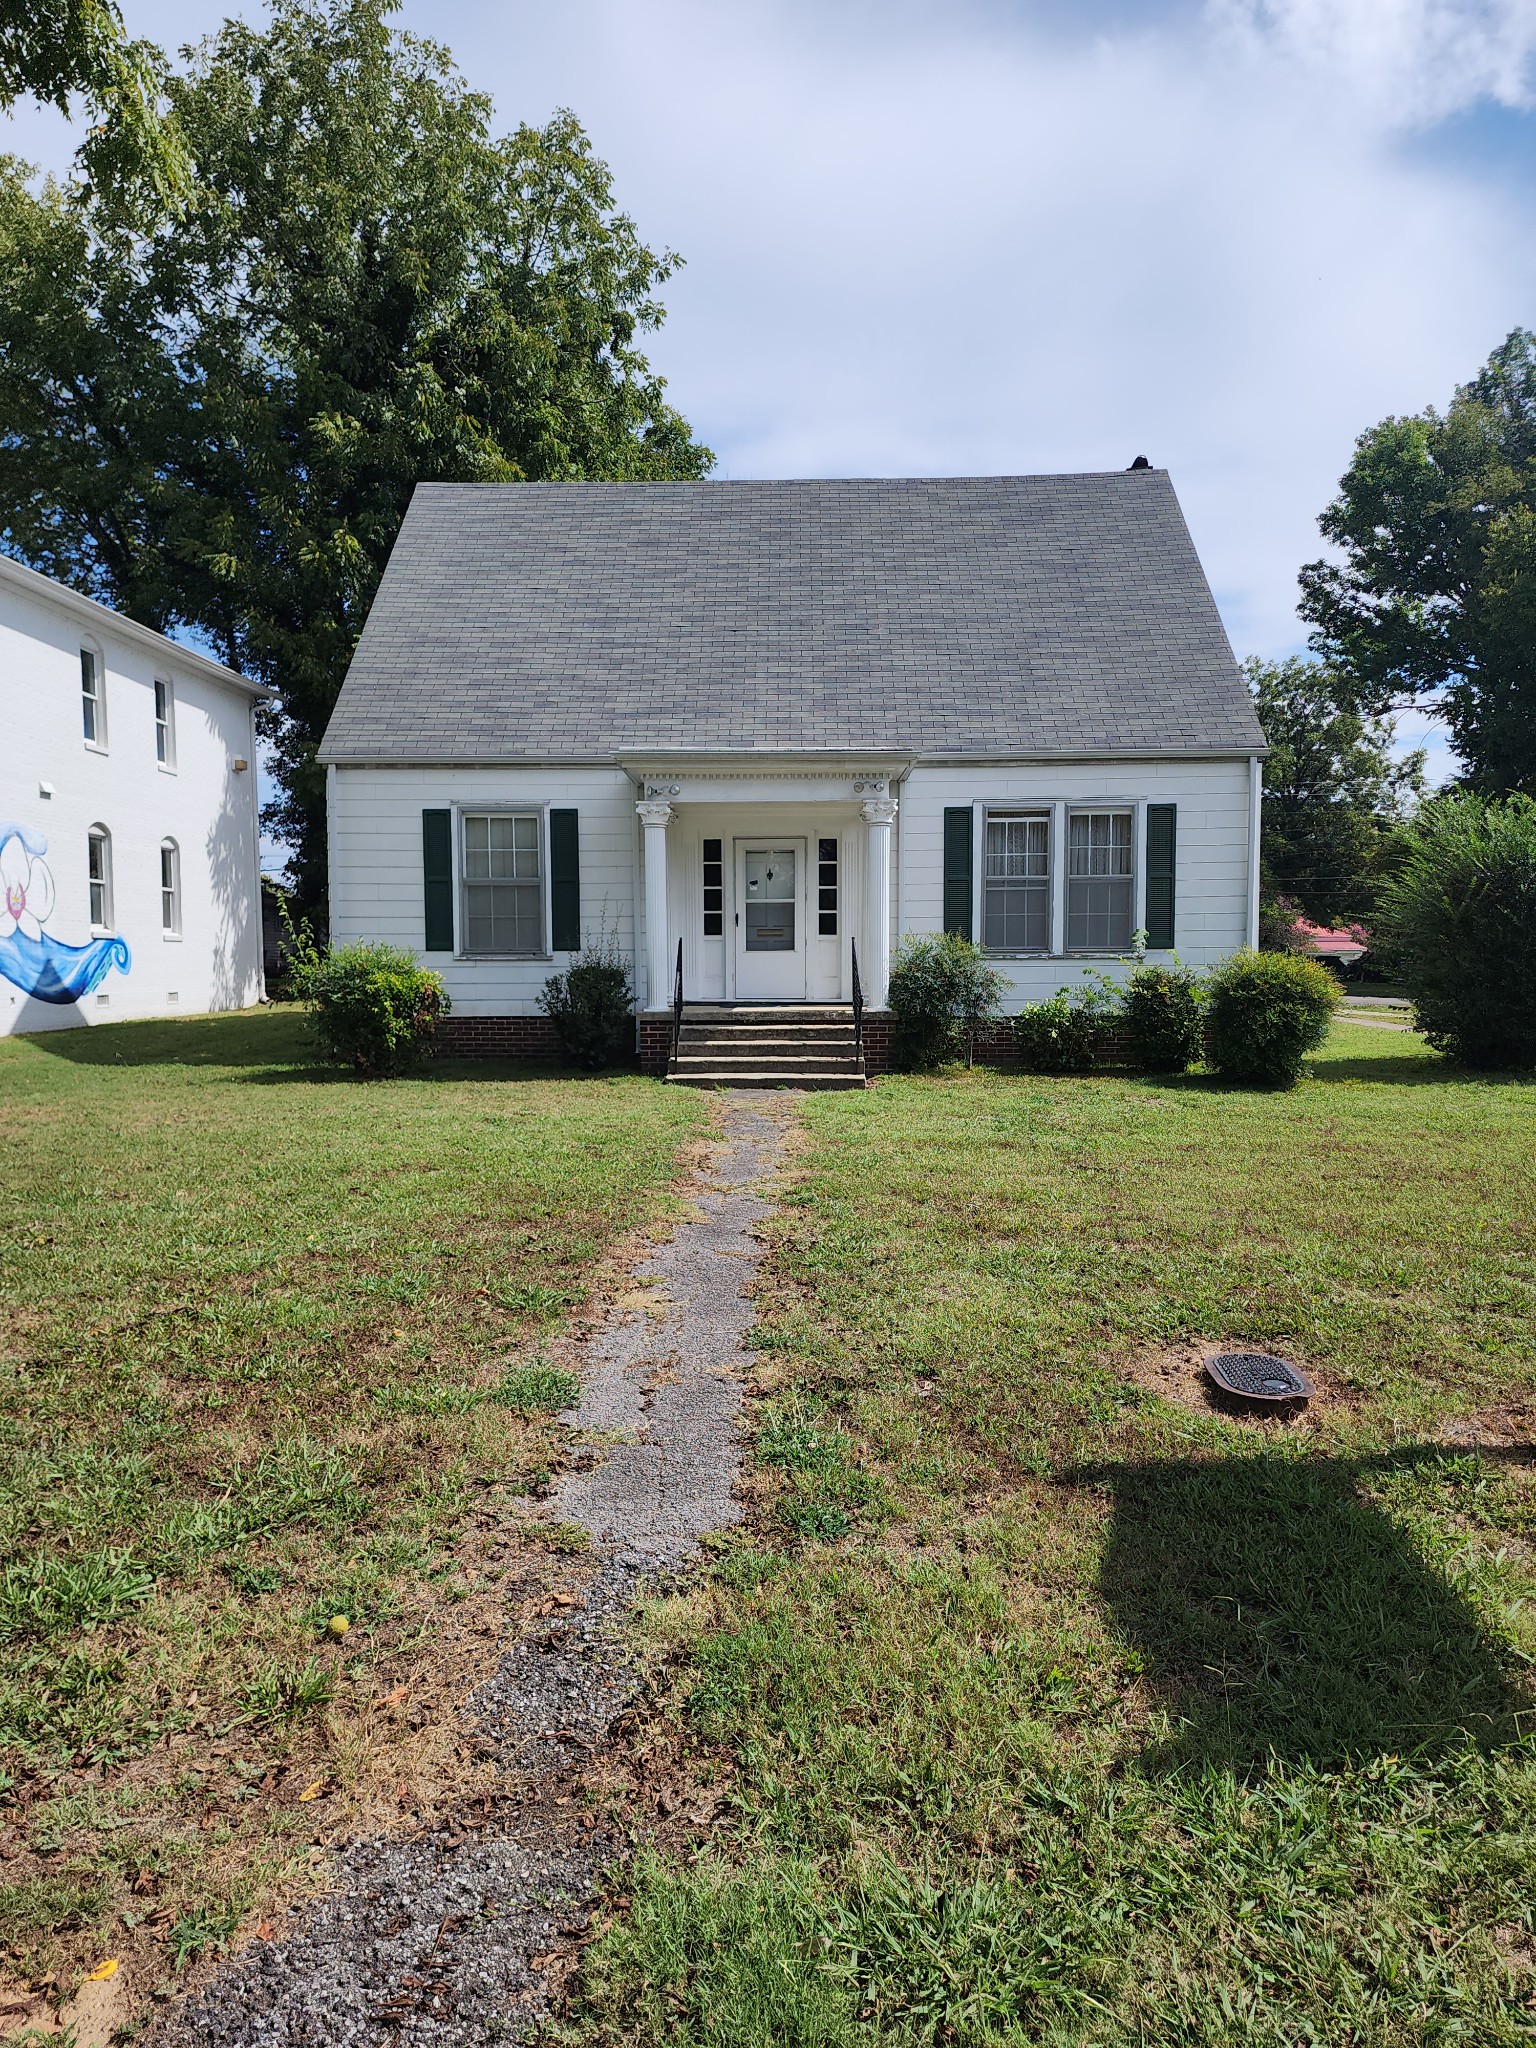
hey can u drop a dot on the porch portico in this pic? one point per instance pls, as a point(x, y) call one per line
point(769, 881)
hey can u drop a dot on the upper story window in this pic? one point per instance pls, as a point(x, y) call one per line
point(98, 846)
point(503, 883)
point(165, 723)
point(714, 888)
point(93, 700)
point(1016, 885)
point(170, 888)
point(1099, 882)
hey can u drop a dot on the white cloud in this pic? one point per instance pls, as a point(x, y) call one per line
point(984, 236)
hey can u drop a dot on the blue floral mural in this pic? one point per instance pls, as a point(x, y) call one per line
point(37, 962)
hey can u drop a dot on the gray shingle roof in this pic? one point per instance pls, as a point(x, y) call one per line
point(949, 616)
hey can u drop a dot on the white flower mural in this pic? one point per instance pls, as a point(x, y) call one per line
point(26, 889)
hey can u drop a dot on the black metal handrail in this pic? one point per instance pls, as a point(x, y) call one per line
point(677, 1002)
point(858, 1001)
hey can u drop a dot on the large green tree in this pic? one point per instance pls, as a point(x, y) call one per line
point(57, 50)
point(1333, 790)
point(215, 419)
point(1434, 599)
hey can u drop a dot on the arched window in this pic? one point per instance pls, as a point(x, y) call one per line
point(170, 888)
point(99, 867)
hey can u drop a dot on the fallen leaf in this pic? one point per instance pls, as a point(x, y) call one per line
point(393, 1699)
point(265, 1930)
point(103, 1971)
point(312, 1791)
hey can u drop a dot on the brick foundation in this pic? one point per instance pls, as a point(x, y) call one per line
point(497, 1038)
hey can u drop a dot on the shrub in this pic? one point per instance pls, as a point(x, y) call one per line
point(1280, 926)
point(1264, 1013)
point(1164, 1012)
point(1064, 1035)
point(1459, 920)
point(942, 989)
point(373, 1008)
point(590, 1006)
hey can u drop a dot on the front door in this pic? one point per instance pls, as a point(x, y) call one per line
point(770, 921)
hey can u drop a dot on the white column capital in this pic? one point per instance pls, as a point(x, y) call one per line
point(879, 810)
point(654, 812)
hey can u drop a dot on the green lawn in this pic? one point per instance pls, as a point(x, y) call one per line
point(1050, 1707)
point(268, 1354)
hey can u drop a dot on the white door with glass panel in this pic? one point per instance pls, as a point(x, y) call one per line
point(770, 921)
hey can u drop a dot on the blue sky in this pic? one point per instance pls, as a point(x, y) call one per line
point(967, 236)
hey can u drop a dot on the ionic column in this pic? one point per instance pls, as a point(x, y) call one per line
point(655, 815)
point(879, 814)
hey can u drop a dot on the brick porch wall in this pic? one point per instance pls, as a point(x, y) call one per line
point(655, 1040)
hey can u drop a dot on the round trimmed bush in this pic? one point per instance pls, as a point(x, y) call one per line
point(1164, 1011)
point(1264, 1013)
point(942, 988)
point(1459, 919)
point(373, 1009)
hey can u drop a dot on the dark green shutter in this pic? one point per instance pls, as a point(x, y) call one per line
point(564, 883)
point(437, 880)
point(1162, 840)
point(959, 836)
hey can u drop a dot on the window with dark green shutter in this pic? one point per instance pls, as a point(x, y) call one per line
point(564, 882)
point(959, 838)
point(437, 880)
point(1162, 846)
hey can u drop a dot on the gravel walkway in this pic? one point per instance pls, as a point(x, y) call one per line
point(437, 1942)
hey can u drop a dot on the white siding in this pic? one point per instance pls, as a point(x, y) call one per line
point(204, 805)
point(1211, 887)
point(377, 885)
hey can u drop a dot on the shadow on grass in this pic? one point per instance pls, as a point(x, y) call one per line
point(1282, 1615)
point(269, 1048)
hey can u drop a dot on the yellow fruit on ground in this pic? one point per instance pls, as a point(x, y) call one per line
point(337, 1625)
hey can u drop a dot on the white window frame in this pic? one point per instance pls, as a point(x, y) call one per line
point(99, 836)
point(170, 892)
point(1100, 807)
point(1000, 813)
point(96, 697)
point(165, 727)
point(539, 811)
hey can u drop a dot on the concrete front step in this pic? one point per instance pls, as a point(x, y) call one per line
point(769, 1041)
point(788, 1063)
point(749, 1078)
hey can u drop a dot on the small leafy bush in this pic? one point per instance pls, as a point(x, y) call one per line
point(1066, 1034)
point(591, 1006)
point(1459, 919)
point(1164, 1011)
point(942, 990)
point(1264, 1013)
point(373, 1009)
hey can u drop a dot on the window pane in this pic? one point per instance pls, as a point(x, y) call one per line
point(1017, 916)
point(503, 917)
point(1098, 915)
point(1018, 848)
point(1099, 843)
point(89, 697)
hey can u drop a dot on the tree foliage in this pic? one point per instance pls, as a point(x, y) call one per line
point(1435, 597)
point(1333, 792)
point(215, 420)
point(1460, 917)
point(51, 50)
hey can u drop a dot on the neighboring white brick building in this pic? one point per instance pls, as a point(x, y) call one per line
point(129, 855)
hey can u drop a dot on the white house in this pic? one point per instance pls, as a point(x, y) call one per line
point(754, 733)
point(129, 861)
